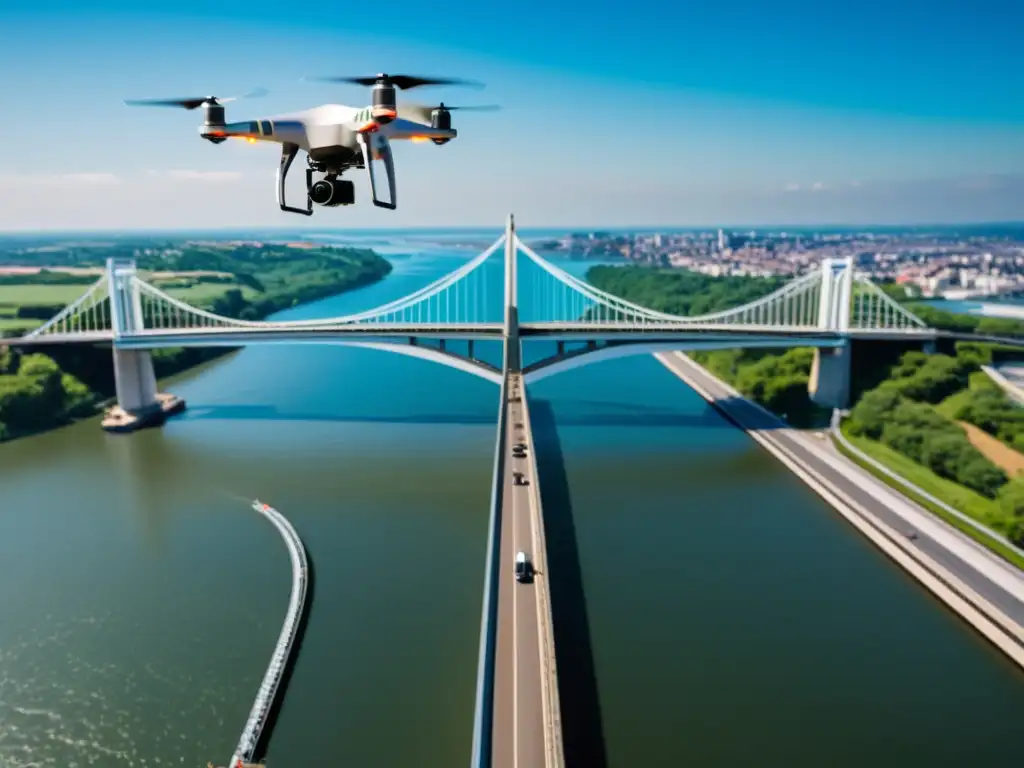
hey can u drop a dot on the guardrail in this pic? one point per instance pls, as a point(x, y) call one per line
point(837, 433)
point(550, 701)
point(1012, 391)
point(483, 720)
point(268, 689)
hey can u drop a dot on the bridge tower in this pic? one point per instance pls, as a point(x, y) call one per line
point(513, 349)
point(139, 403)
point(829, 385)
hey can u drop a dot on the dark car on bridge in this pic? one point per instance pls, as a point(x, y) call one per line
point(524, 568)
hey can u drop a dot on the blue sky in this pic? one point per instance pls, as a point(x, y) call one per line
point(615, 113)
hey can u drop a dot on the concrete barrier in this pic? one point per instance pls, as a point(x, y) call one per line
point(484, 711)
point(1012, 391)
point(553, 747)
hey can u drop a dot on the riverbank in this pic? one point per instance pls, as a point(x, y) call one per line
point(980, 589)
point(48, 387)
point(957, 506)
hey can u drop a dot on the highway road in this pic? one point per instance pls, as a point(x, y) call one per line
point(518, 729)
point(992, 578)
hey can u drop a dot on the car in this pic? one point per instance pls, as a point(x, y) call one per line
point(518, 478)
point(523, 568)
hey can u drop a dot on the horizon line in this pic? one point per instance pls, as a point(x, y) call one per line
point(486, 228)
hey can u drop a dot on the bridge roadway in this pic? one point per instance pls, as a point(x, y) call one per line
point(526, 723)
point(977, 570)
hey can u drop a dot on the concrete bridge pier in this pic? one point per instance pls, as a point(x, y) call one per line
point(829, 385)
point(139, 404)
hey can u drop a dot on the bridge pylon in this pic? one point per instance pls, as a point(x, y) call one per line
point(513, 349)
point(139, 402)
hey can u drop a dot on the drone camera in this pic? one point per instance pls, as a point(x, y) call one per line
point(332, 193)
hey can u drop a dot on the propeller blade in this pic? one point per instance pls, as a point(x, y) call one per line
point(474, 107)
point(184, 103)
point(194, 102)
point(423, 112)
point(402, 82)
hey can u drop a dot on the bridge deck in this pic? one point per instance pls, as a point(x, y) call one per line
point(526, 725)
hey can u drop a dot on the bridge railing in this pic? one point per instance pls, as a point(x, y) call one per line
point(89, 313)
point(458, 297)
point(873, 308)
point(796, 305)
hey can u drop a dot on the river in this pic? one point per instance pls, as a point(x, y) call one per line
point(734, 619)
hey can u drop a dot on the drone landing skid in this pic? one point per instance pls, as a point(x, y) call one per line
point(384, 150)
point(288, 152)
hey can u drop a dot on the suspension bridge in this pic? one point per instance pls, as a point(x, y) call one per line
point(446, 321)
point(544, 320)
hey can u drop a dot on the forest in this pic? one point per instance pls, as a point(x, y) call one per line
point(777, 380)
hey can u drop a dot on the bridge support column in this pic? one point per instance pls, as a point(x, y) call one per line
point(829, 385)
point(930, 347)
point(139, 403)
point(513, 350)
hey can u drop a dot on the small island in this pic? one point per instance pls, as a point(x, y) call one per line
point(45, 387)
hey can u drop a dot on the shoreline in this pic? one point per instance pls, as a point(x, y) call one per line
point(982, 614)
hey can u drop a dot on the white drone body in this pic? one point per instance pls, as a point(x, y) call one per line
point(335, 137)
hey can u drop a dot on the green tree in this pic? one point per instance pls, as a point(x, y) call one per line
point(871, 413)
point(1011, 497)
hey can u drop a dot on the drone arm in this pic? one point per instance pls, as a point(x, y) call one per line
point(288, 152)
point(365, 142)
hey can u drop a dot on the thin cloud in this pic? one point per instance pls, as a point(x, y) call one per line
point(58, 179)
point(214, 177)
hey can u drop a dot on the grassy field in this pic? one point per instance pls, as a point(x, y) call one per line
point(35, 295)
point(13, 296)
point(8, 323)
point(972, 504)
point(205, 291)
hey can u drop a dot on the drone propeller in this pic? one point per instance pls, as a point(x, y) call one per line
point(193, 103)
point(423, 113)
point(402, 82)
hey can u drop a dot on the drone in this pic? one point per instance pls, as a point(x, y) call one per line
point(335, 138)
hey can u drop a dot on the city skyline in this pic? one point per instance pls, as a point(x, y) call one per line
point(808, 128)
